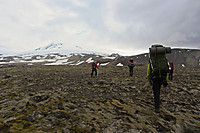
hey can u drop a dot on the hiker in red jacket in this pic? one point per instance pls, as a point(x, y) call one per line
point(171, 69)
point(131, 66)
point(94, 68)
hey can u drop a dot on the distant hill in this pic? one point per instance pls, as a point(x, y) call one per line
point(186, 57)
point(181, 57)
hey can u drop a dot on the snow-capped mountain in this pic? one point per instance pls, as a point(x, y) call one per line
point(52, 46)
point(59, 48)
point(57, 54)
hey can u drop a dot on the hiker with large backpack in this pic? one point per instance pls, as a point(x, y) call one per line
point(94, 67)
point(131, 66)
point(171, 69)
point(158, 70)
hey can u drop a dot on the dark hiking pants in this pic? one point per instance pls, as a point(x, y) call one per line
point(131, 71)
point(156, 91)
point(94, 70)
point(170, 74)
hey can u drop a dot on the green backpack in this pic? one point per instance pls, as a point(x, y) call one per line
point(158, 60)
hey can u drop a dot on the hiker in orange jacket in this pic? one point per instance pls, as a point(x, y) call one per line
point(94, 68)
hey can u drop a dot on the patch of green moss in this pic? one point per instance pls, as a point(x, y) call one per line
point(3, 82)
point(93, 106)
point(16, 126)
point(130, 109)
point(4, 127)
point(2, 119)
point(64, 114)
point(48, 107)
point(116, 103)
point(21, 126)
point(80, 129)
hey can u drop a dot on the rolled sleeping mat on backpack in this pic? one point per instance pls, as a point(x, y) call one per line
point(168, 49)
point(152, 50)
point(157, 50)
point(160, 50)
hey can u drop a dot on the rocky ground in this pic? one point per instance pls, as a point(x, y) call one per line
point(65, 99)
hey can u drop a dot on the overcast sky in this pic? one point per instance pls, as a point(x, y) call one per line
point(124, 26)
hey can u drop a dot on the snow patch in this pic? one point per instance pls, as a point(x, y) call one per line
point(89, 60)
point(50, 46)
point(104, 64)
point(38, 57)
point(27, 57)
point(120, 64)
point(68, 56)
point(82, 55)
point(68, 63)
point(61, 61)
point(79, 62)
point(4, 63)
point(58, 62)
point(61, 58)
point(112, 58)
point(50, 60)
point(36, 61)
point(51, 64)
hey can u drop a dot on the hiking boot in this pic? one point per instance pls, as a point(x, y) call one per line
point(165, 83)
point(157, 110)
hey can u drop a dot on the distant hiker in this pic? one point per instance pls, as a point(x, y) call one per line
point(94, 67)
point(131, 66)
point(171, 69)
point(157, 72)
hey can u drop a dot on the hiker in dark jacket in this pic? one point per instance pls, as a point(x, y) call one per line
point(157, 72)
point(94, 67)
point(131, 66)
point(171, 69)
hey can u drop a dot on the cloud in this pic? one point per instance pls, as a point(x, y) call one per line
point(80, 32)
point(78, 3)
point(106, 25)
point(156, 19)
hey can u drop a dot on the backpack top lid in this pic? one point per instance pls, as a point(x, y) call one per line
point(159, 50)
point(157, 45)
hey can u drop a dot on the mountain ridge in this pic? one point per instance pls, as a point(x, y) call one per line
point(53, 54)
